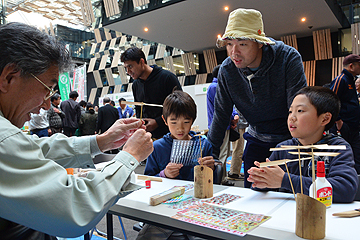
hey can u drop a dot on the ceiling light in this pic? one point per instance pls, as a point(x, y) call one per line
point(303, 19)
point(226, 8)
point(146, 29)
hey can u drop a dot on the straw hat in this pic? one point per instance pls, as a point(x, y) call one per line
point(244, 24)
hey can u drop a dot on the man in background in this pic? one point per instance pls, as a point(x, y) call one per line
point(152, 84)
point(55, 115)
point(348, 121)
point(72, 114)
point(124, 110)
point(107, 115)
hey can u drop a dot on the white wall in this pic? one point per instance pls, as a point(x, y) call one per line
point(198, 93)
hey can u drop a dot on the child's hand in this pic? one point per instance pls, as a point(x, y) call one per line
point(265, 177)
point(172, 170)
point(207, 161)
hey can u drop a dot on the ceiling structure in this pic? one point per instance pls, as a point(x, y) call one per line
point(193, 25)
point(66, 10)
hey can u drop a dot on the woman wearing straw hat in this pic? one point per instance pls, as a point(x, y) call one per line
point(260, 77)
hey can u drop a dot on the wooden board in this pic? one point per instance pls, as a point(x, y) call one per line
point(161, 197)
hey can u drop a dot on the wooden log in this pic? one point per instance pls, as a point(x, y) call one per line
point(161, 197)
point(203, 182)
point(310, 217)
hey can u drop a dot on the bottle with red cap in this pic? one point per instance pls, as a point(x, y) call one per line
point(323, 191)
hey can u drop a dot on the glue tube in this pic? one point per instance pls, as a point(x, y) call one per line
point(323, 187)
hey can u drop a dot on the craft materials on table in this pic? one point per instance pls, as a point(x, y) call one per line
point(348, 214)
point(222, 219)
point(173, 192)
point(186, 152)
point(222, 199)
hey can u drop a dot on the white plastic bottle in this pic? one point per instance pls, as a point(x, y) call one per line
point(323, 187)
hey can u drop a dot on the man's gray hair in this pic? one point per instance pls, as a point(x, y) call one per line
point(106, 100)
point(30, 50)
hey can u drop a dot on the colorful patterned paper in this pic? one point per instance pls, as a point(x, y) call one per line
point(219, 218)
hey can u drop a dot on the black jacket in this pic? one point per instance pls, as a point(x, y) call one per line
point(107, 115)
point(155, 89)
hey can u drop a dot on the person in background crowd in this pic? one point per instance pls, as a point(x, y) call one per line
point(72, 114)
point(39, 200)
point(152, 84)
point(124, 110)
point(39, 124)
point(225, 146)
point(349, 118)
point(260, 77)
point(82, 105)
point(238, 149)
point(357, 86)
point(88, 120)
point(55, 115)
point(112, 103)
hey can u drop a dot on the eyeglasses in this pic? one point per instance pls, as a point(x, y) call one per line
point(51, 91)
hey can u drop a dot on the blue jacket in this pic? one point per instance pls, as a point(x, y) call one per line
point(339, 170)
point(160, 157)
point(264, 100)
point(344, 86)
point(127, 113)
point(210, 96)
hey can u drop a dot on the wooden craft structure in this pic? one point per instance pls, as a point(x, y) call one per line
point(310, 213)
point(203, 179)
point(141, 104)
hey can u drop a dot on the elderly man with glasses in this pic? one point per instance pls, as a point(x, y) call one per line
point(38, 199)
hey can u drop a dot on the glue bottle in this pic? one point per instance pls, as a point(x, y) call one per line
point(323, 187)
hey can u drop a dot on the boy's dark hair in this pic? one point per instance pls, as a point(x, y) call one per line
point(179, 103)
point(122, 99)
point(133, 54)
point(216, 71)
point(324, 100)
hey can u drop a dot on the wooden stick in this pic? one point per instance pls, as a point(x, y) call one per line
point(313, 173)
point(292, 187)
point(141, 110)
point(141, 104)
point(331, 154)
point(301, 185)
point(200, 150)
point(144, 177)
point(280, 162)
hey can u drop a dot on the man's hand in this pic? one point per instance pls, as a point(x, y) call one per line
point(56, 110)
point(139, 145)
point(150, 124)
point(207, 161)
point(172, 170)
point(265, 177)
point(118, 133)
point(233, 123)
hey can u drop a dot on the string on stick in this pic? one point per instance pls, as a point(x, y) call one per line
point(292, 187)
